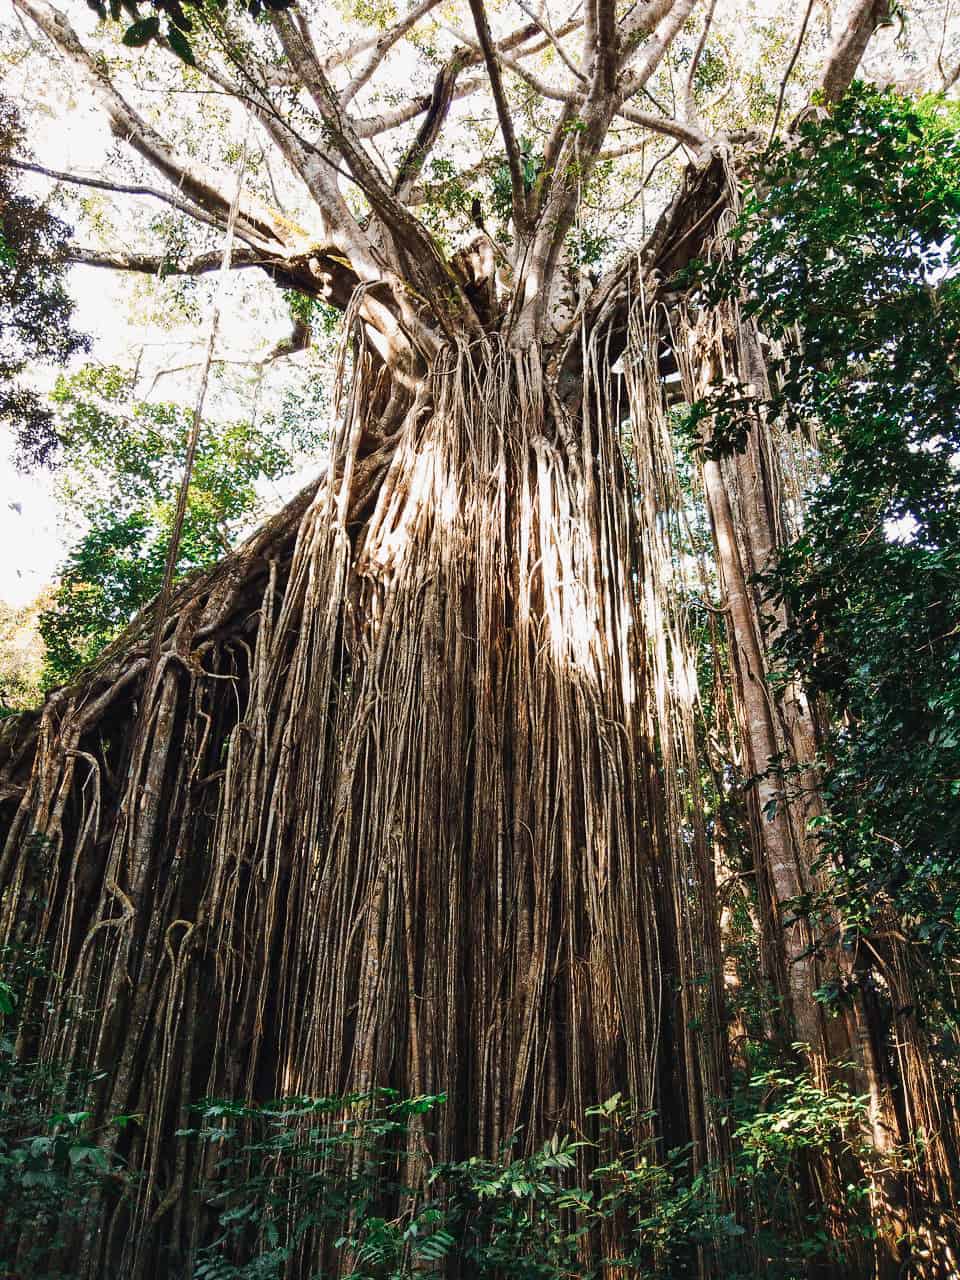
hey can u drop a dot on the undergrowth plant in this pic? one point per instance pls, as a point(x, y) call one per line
point(355, 1170)
point(350, 1179)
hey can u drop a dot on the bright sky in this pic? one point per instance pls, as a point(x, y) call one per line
point(30, 535)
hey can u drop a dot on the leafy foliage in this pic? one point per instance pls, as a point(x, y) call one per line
point(531, 162)
point(782, 1120)
point(851, 241)
point(354, 1170)
point(35, 308)
point(125, 459)
point(143, 30)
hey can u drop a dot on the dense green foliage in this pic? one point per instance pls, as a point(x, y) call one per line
point(355, 1170)
point(35, 308)
point(518, 1216)
point(850, 240)
point(123, 460)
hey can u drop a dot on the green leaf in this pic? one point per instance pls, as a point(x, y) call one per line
point(140, 33)
point(180, 45)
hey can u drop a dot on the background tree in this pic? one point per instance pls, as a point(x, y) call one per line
point(21, 658)
point(854, 242)
point(35, 308)
point(123, 458)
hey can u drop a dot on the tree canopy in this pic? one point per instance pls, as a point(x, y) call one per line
point(35, 309)
point(560, 136)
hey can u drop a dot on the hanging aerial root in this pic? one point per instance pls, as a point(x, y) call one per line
point(394, 818)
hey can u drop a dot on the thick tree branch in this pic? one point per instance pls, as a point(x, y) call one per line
point(421, 262)
point(363, 43)
point(653, 52)
point(513, 63)
point(282, 248)
point(472, 55)
point(519, 39)
point(411, 166)
point(160, 264)
point(689, 134)
point(639, 22)
point(607, 53)
point(339, 127)
point(371, 126)
point(346, 258)
point(313, 166)
point(577, 153)
point(315, 273)
point(848, 48)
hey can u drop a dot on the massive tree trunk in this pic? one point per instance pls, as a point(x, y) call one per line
point(412, 796)
point(400, 807)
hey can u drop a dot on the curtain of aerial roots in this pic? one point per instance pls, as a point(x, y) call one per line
point(671, 572)
point(421, 812)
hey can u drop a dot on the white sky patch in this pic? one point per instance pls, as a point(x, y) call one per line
point(31, 541)
point(35, 538)
point(32, 544)
point(903, 529)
